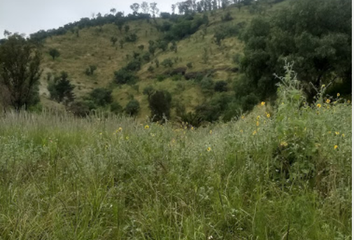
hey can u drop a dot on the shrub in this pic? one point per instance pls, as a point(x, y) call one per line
point(167, 62)
point(61, 89)
point(160, 104)
point(207, 85)
point(133, 65)
point(124, 77)
point(220, 86)
point(160, 78)
point(101, 96)
point(132, 108)
point(116, 108)
point(90, 70)
point(131, 37)
point(54, 53)
point(189, 65)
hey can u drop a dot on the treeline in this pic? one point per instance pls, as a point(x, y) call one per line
point(148, 11)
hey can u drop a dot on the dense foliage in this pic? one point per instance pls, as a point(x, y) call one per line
point(19, 73)
point(315, 35)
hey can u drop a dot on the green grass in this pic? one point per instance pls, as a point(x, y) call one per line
point(276, 176)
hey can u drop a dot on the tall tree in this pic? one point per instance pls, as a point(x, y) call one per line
point(153, 9)
point(20, 71)
point(135, 7)
point(145, 7)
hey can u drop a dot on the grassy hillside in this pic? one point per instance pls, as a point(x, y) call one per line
point(93, 46)
point(275, 174)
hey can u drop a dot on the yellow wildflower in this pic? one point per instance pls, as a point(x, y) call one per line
point(328, 101)
point(209, 149)
point(257, 123)
point(268, 115)
point(283, 144)
point(318, 105)
point(337, 133)
point(323, 85)
point(192, 128)
point(100, 133)
point(343, 135)
point(262, 103)
point(338, 94)
point(258, 118)
point(348, 101)
point(127, 138)
point(335, 146)
point(243, 117)
point(254, 132)
point(241, 131)
point(147, 127)
point(211, 131)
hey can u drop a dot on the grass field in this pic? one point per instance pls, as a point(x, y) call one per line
point(280, 172)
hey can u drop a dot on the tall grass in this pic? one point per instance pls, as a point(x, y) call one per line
point(277, 173)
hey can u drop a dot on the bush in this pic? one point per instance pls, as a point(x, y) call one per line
point(61, 89)
point(167, 63)
point(160, 78)
point(133, 65)
point(220, 86)
point(116, 108)
point(207, 85)
point(189, 65)
point(124, 77)
point(79, 109)
point(90, 70)
point(101, 96)
point(132, 108)
point(160, 104)
point(131, 37)
point(146, 57)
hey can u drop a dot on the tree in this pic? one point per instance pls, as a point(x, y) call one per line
point(307, 34)
point(54, 53)
point(114, 40)
point(153, 9)
point(113, 11)
point(61, 89)
point(135, 7)
point(19, 72)
point(132, 108)
point(120, 23)
point(126, 28)
point(145, 7)
point(101, 96)
point(160, 104)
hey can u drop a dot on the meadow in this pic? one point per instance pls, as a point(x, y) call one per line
point(282, 171)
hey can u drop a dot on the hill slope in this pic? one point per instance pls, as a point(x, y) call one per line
point(93, 47)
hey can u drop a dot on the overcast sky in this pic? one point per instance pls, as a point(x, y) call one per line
point(29, 16)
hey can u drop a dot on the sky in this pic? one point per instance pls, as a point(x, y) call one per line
point(30, 16)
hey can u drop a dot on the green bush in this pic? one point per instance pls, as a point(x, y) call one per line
point(124, 77)
point(101, 96)
point(160, 104)
point(132, 108)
